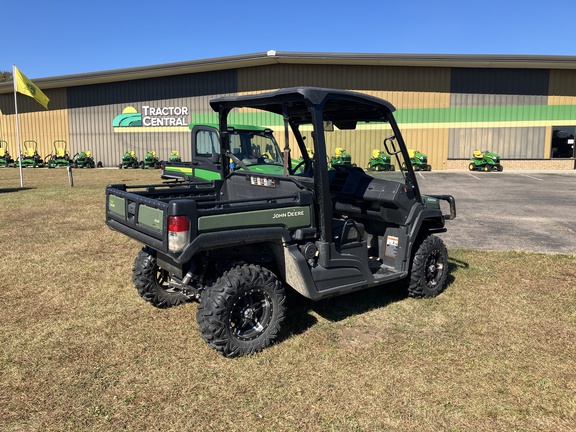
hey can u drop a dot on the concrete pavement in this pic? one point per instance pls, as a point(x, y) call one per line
point(532, 211)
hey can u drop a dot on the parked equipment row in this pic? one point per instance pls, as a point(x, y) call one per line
point(151, 160)
point(59, 159)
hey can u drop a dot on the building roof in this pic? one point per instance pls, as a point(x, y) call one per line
point(308, 58)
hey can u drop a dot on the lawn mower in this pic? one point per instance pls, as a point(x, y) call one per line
point(61, 157)
point(341, 157)
point(150, 160)
point(85, 160)
point(485, 161)
point(129, 160)
point(175, 156)
point(419, 161)
point(380, 161)
point(30, 158)
point(5, 159)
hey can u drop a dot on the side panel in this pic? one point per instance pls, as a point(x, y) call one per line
point(287, 217)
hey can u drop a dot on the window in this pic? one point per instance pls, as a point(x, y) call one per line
point(563, 142)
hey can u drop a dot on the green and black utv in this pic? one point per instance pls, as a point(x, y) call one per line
point(239, 243)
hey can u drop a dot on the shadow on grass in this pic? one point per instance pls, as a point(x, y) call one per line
point(8, 190)
point(335, 309)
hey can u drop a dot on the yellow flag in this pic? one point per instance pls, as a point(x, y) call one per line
point(27, 87)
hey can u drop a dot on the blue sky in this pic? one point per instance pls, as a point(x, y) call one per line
point(65, 37)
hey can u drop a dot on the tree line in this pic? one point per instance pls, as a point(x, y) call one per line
point(5, 76)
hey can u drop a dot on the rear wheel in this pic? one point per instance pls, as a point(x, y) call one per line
point(472, 166)
point(241, 313)
point(151, 282)
point(429, 268)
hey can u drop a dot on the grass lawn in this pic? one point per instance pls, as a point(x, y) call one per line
point(79, 350)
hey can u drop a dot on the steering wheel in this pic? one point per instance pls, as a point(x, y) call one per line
point(305, 162)
point(237, 161)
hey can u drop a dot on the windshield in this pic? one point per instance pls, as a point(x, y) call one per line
point(255, 147)
point(370, 146)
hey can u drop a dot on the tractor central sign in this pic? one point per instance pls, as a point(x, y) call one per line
point(165, 116)
point(171, 116)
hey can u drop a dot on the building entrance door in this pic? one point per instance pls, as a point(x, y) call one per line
point(563, 142)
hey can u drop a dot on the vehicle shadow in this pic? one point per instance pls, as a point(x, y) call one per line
point(8, 190)
point(299, 317)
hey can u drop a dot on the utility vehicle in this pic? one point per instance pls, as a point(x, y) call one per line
point(84, 159)
point(150, 161)
point(130, 160)
point(485, 161)
point(237, 244)
point(5, 159)
point(60, 158)
point(380, 161)
point(31, 158)
point(418, 160)
point(254, 147)
point(341, 157)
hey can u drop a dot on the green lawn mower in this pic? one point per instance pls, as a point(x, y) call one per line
point(485, 161)
point(30, 158)
point(5, 159)
point(129, 160)
point(418, 160)
point(85, 160)
point(341, 157)
point(380, 161)
point(175, 157)
point(150, 161)
point(61, 157)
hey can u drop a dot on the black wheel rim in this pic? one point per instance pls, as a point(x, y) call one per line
point(434, 268)
point(162, 279)
point(251, 314)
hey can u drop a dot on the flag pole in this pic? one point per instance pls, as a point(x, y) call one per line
point(17, 125)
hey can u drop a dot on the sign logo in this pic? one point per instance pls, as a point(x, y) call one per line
point(153, 117)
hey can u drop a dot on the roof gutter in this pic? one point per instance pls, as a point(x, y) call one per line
point(273, 57)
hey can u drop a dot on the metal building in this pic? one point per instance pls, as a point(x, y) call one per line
point(522, 107)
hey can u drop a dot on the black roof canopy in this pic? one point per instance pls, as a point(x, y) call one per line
point(338, 106)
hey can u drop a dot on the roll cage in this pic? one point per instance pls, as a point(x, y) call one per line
point(318, 107)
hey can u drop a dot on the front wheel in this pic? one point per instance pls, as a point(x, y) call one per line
point(151, 281)
point(242, 311)
point(429, 268)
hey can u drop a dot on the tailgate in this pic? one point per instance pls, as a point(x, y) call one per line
point(141, 218)
point(141, 212)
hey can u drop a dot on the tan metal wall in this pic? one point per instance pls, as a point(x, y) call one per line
point(36, 124)
point(83, 115)
point(404, 87)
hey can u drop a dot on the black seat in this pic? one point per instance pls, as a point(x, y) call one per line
point(347, 233)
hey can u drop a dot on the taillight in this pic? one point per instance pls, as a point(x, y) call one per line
point(178, 233)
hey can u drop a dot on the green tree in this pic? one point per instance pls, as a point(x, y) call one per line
point(5, 76)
